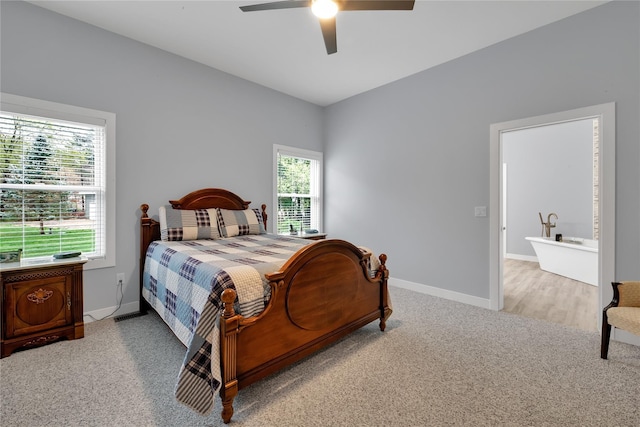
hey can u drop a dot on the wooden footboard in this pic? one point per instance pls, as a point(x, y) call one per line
point(321, 294)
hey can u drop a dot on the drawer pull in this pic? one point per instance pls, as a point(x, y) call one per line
point(39, 296)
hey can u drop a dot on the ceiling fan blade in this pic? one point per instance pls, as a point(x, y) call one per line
point(328, 27)
point(290, 4)
point(376, 5)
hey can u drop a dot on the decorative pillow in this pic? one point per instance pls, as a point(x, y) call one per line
point(183, 224)
point(240, 222)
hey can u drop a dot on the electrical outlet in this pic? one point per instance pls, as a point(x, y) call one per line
point(480, 211)
point(120, 279)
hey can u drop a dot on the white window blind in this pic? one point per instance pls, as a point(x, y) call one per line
point(298, 183)
point(52, 183)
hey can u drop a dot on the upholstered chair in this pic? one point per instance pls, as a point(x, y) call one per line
point(623, 312)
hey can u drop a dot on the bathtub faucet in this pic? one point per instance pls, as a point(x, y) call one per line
point(547, 226)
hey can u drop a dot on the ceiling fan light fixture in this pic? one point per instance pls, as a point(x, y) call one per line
point(324, 9)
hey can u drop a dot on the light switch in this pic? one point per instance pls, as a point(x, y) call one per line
point(481, 211)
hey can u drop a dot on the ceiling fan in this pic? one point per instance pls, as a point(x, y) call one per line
point(326, 10)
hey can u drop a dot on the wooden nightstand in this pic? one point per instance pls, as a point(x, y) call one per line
point(41, 303)
point(310, 236)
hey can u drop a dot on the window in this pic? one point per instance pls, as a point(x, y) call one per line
point(298, 189)
point(57, 180)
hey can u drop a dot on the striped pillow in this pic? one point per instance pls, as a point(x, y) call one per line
point(240, 222)
point(184, 224)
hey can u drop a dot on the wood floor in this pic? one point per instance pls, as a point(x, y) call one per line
point(531, 292)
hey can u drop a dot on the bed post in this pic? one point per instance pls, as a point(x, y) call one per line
point(264, 216)
point(228, 334)
point(149, 231)
point(385, 310)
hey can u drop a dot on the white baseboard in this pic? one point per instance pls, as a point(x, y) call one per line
point(103, 313)
point(624, 336)
point(521, 257)
point(441, 293)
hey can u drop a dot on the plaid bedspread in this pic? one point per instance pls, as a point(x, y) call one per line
point(183, 281)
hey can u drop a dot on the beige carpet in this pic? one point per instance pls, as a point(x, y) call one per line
point(439, 363)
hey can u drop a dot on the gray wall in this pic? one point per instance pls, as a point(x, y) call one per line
point(180, 125)
point(549, 169)
point(407, 163)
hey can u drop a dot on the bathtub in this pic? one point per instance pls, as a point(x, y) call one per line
point(575, 258)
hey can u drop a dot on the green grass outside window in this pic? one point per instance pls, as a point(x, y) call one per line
point(55, 239)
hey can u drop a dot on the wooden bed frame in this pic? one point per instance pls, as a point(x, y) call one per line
point(322, 293)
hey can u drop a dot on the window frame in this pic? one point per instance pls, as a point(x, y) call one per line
point(304, 154)
point(57, 111)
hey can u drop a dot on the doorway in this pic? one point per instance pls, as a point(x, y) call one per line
point(605, 114)
point(549, 170)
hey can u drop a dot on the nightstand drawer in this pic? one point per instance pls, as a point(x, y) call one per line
point(38, 305)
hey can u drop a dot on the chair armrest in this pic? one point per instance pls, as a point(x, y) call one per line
point(628, 294)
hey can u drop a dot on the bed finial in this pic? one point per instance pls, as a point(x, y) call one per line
point(383, 259)
point(382, 271)
point(228, 297)
point(144, 208)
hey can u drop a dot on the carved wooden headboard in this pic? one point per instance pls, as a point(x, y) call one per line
point(205, 198)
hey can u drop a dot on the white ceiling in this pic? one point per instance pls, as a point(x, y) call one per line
point(284, 49)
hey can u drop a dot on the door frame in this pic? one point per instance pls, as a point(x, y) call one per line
point(607, 196)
